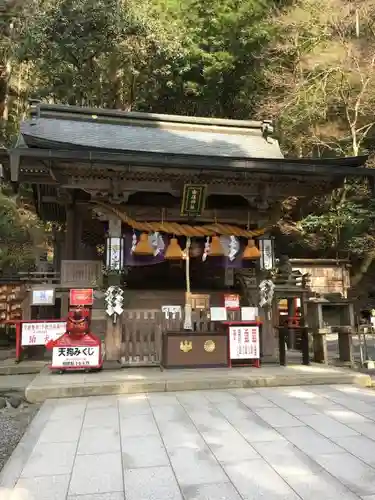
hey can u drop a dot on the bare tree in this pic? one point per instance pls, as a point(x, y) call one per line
point(322, 77)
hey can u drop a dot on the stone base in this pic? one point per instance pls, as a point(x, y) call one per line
point(138, 380)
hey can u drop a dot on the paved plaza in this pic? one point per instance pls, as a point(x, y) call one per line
point(269, 443)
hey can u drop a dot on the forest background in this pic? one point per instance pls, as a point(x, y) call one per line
point(309, 65)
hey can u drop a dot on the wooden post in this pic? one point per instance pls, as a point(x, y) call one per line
point(70, 232)
point(113, 333)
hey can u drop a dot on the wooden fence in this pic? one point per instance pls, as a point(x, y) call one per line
point(142, 332)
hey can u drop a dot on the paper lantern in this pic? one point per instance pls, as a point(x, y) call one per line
point(173, 251)
point(143, 246)
point(251, 252)
point(216, 250)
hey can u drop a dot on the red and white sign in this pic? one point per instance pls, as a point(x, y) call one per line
point(82, 352)
point(40, 332)
point(83, 297)
point(232, 301)
point(244, 342)
point(76, 357)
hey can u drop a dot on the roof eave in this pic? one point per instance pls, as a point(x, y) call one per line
point(331, 168)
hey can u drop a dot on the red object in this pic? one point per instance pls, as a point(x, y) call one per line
point(294, 321)
point(252, 362)
point(232, 301)
point(69, 342)
point(77, 349)
point(84, 297)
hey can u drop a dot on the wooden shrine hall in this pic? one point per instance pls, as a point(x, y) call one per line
point(134, 196)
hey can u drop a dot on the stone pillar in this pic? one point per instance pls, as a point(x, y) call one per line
point(113, 333)
point(269, 340)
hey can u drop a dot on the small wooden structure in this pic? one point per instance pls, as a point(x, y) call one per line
point(101, 172)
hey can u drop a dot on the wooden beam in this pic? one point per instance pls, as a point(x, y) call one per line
point(229, 216)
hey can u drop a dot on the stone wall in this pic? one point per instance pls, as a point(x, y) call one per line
point(326, 276)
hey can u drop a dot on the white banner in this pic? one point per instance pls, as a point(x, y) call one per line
point(244, 342)
point(39, 333)
point(80, 356)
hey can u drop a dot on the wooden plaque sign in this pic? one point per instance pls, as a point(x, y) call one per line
point(193, 200)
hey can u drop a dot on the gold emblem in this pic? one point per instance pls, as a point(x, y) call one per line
point(186, 346)
point(209, 346)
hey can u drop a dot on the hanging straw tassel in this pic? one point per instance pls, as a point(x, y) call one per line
point(251, 251)
point(143, 247)
point(173, 251)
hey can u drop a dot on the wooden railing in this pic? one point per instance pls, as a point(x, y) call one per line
point(40, 277)
point(80, 273)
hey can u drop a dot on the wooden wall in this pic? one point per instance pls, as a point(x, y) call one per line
point(326, 276)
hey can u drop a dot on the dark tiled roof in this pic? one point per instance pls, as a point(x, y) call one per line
point(119, 131)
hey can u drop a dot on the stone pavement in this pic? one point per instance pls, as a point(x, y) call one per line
point(268, 443)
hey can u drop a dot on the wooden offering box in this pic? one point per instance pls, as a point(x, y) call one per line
point(195, 349)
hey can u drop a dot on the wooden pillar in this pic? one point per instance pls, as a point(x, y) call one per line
point(113, 333)
point(26, 306)
point(70, 233)
point(78, 226)
point(291, 314)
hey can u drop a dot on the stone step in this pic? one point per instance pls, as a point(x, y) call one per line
point(139, 380)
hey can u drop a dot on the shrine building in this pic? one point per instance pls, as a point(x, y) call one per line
point(178, 211)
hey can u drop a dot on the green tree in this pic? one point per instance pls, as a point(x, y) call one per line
point(108, 53)
point(22, 235)
point(221, 72)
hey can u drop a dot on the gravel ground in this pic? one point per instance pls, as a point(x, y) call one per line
point(13, 424)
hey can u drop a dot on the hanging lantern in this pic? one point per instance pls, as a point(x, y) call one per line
point(173, 251)
point(251, 251)
point(143, 246)
point(115, 254)
point(267, 250)
point(216, 249)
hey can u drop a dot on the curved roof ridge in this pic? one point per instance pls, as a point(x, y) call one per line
point(58, 111)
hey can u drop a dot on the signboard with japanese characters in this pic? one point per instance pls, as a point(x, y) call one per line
point(42, 297)
point(232, 301)
point(83, 297)
point(244, 342)
point(193, 200)
point(75, 357)
point(39, 333)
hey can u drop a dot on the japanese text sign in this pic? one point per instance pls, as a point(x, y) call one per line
point(75, 356)
point(43, 297)
point(193, 199)
point(231, 301)
point(244, 342)
point(81, 297)
point(39, 333)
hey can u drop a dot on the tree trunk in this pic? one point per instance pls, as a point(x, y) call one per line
point(364, 267)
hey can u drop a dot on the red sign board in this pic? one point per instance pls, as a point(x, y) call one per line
point(232, 301)
point(81, 297)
